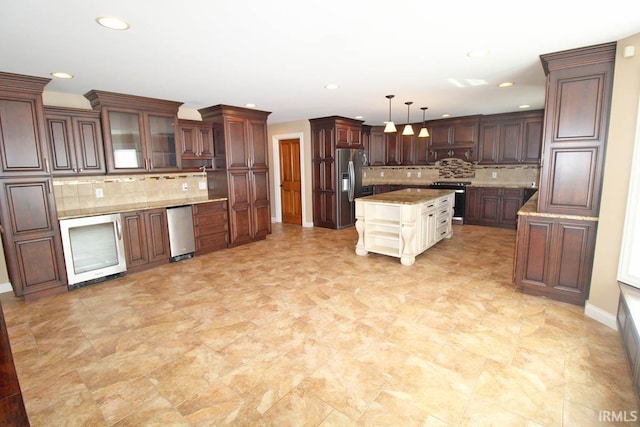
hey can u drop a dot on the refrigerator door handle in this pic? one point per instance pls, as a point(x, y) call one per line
point(352, 180)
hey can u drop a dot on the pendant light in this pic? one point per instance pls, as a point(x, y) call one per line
point(408, 129)
point(390, 126)
point(424, 133)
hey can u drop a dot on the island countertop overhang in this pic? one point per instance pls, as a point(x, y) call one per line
point(407, 196)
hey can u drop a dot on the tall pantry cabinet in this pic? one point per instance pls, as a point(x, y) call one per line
point(327, 135)
point(240, 137)
point(30, 230)
point(555, 245)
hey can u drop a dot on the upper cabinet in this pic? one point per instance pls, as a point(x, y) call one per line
point(578, 99)
point(22, 135)
point(139, 133)
point(196, 144)
point(457, 137)
point(348, 135)
point(376, 147)
point(511, 138)
point(75, 142)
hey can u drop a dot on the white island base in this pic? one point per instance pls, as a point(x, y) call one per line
point(403, 223)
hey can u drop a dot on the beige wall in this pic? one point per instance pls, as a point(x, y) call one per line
point(287, 130)
point(622, 128)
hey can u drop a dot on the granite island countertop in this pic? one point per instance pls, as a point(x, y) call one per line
point(130, 207)
point(408, 196)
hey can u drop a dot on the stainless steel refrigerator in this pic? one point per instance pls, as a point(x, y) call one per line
point(349, 164)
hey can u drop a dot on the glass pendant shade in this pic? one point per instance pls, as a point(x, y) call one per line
point(390, 127)
point(424, 133)
point(408, 129)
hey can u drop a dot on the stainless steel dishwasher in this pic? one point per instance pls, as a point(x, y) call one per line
point(181, 238)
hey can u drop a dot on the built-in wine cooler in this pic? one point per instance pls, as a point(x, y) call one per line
point(93, 248)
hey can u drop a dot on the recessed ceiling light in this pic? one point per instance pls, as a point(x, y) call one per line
point(359, 117)
point(505, 84)
point(62, 75)
point(446, 115)
point(524, 106)
point(331, 86)
point(112, 22)
point(478, 53)
point(250, 105)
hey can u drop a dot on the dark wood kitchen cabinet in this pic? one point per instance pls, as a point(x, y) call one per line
point(22, 132)
point(393, 148)
point(511, 138)
point(579, 86)
point(555, 257)
point(139, 133)
point(377, 146)
point(241, 134)
point(75, 141)
point(493, 206)
point(407, 148)
point(31, 237)
point(348, 135)
point(146, 238)
point(324, 137)
point(28, 217)
point(457, 138)
point(196, 142)
point(210, 226)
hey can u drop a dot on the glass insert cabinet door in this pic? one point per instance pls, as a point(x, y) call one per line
point(126, 140)
point(162, 142)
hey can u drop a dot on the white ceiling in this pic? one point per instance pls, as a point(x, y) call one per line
point(279, 54)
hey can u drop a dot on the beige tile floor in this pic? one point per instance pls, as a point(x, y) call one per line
point(298, 330)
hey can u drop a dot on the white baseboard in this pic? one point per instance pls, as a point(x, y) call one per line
point(304, 224)
point(5, 287)
point(601, 316)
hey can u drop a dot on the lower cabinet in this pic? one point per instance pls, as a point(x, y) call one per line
point(554, 257)
point(211, 226)
point(31, 237)
point(249, 208)
point(492, 206)
point(146, 238)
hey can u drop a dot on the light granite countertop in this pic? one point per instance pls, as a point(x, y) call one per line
point(408, 196)
point(473, 184)
point(103, 210)
point(530, 208)
point(496, 185)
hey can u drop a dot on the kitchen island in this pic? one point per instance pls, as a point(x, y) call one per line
point(403, 223)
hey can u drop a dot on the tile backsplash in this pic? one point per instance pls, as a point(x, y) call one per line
point(81, 192)
point(518, 175)
point(455, 169)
